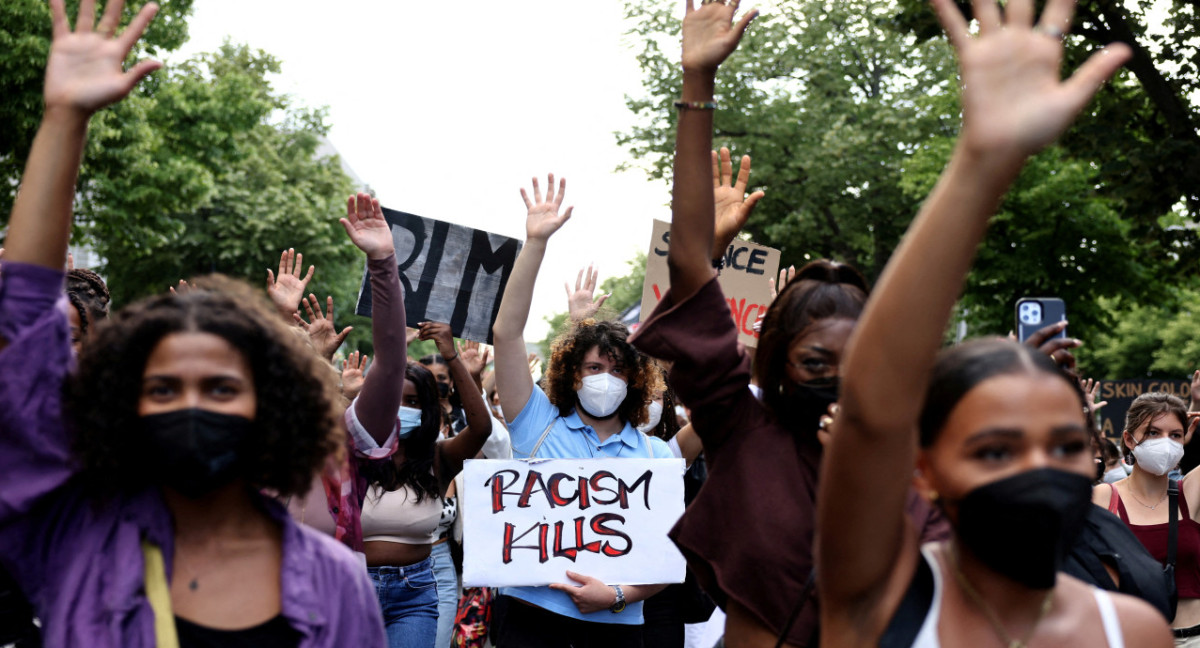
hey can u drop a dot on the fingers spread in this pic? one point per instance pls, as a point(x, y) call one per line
point(59, 25)
point(85, 20)
point(1019, 13)
point(953, 22)
point(110, 18)
point(1094, 73)
point(988, 15)
point(136, 27)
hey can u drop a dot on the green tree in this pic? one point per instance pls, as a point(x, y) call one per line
point(24, 46)
point(850, 120)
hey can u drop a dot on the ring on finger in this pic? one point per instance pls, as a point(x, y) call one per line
point(1051, 31)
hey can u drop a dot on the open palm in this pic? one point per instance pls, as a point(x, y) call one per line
point(367, 228)
point(85, 69)
point(543, 219)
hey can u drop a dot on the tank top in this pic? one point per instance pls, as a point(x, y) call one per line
point(396, 516)
point(926, 592)
point(1154, 538)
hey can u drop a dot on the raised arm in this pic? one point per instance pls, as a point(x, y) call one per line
point(1014, 103)
point(466, 444)
point(512, 370)
point(377, 404)
point(83, 74)
point(709, 36)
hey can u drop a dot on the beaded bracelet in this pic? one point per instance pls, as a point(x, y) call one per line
point(696, 105)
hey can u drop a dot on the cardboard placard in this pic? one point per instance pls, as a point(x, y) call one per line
point(748, 266)
point(1120, 394)
point(529, 522)
point(450, 273)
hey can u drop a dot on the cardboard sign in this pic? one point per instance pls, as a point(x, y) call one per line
point(450, 273)
point(748, 266)
point(529, 522)
point(1120, 394)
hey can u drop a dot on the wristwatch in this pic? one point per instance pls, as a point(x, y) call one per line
point(619, 604)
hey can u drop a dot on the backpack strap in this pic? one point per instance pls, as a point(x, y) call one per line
point(159, 595)
point(1173, 535)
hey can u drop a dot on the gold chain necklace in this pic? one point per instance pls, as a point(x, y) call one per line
point(1139, 500)
point(992, 617)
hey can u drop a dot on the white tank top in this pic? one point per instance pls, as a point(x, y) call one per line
point(928, 636)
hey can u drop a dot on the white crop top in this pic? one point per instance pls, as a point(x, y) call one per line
point(395, 516)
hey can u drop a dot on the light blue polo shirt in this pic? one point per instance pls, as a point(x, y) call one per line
point(571, 438)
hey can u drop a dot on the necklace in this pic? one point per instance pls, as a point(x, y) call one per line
point(1139, 500)
point(991, 615)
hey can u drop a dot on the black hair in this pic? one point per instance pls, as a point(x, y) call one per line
point(416, 471)
point(92, 290)
point(298, 412)
point(822, 289)
point(960, 368)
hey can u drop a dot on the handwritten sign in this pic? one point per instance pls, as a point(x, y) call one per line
point(1120, 394)
point(528, 522)
point(450, 273)
point(748, 266)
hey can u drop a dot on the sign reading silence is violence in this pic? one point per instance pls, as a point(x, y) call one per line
point(451, 273)
point(529, 522)
point(744, 280)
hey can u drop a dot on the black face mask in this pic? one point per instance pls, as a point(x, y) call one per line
point(443, 390)
point(807, 402)
point(196, 451)
point(1023, 526)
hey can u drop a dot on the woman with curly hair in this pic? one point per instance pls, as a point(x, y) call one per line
point(597, 388)
point(154, 530)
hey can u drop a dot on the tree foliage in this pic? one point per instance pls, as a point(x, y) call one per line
point(850, 109)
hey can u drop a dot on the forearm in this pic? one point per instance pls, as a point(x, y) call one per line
point(512, 368)
point(40, 226)
point(479, 422)
point(692, 214)
point(383, 386)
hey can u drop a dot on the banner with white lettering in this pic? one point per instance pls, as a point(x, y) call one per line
point(529, 522)
point(450, 273)
point(748, 266)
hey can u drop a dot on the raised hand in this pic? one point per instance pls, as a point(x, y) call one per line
point(320, 329)
point(474, 357)
point(184, 288)
point(733, 206)
point(535, 365)
point(441, 335)
point(709, 34)
point(1059, 349)
point(367, 228)
point(1014, 100)
point(543, 219)
point(287, 290)
point(411, 335)
point(785, 275)
point(580, 304)
point(1091, 388)
point(85, 71)
point(352, 374)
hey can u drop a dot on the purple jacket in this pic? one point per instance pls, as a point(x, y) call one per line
point(81, 565)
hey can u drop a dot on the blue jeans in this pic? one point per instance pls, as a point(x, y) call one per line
point(447, 588)
point(409, 600)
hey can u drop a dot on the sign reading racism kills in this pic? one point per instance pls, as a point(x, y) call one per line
point(748, 266)
point(529, 522)
point(450, 273)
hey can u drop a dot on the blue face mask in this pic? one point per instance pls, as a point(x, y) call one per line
point(410, 420)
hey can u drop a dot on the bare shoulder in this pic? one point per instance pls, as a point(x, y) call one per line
point(1102, 494)
point(1141, 624)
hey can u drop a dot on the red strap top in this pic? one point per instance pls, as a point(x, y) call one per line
point(1154, 538)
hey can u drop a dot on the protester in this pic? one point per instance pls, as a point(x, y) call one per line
point(406, 468)
point(1004, 441)
point(1156, 430)
point(185, 406)
point(597, 387)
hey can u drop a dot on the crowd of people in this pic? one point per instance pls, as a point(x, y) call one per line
point(197, 468)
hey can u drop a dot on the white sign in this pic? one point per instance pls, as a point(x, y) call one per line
point(529, 522)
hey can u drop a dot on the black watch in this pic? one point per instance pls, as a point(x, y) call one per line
point(619, 604)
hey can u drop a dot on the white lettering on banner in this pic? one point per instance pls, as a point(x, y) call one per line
point(528, 522)
point(450, 273)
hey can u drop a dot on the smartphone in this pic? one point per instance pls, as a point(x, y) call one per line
point(1036, 313)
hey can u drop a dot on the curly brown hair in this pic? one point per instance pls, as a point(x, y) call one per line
point(642, 376)
point(298, 413)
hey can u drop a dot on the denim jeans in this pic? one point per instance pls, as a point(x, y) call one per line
point(447, 588)
point(409, 600)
